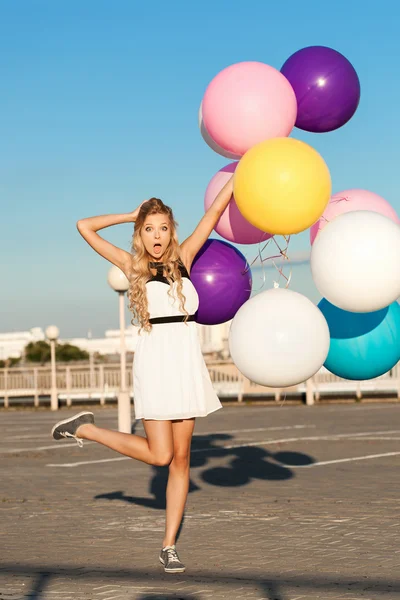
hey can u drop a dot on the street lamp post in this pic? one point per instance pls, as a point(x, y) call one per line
point(52, 333)
point(91, 365)
point(118, 281)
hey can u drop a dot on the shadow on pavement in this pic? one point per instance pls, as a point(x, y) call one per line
point(246, 463)
point(269, 587)
point(40, 585)
point(176, 596)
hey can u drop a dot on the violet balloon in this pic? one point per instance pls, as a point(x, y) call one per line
point(222, 278)
point(326, 85)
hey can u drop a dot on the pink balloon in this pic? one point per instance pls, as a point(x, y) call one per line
point(351, 200)
point(232, 225)
point(210, 142)
point(247, 103)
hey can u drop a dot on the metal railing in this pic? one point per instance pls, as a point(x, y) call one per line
point(102, 382)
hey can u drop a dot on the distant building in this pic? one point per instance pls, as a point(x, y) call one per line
point(213, 340)
point(12, 344)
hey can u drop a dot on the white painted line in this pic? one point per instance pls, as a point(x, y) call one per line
point(16, 436)
point(231, 447)
point(90, 462)
point(37, 449)
point(343, 460)
point(361, 406)
point(372, 432)
point(72, 444)
point(379, 437)
point(260, 429)
point(333, 438)
point(100, 587)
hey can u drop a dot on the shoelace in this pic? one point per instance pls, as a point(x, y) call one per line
point(172, 555)
point(67, 434)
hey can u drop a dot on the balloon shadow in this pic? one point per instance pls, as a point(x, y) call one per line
point(252, 462)
point(247, 463)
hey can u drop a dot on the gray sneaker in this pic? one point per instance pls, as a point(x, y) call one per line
point(170, 559)
point(67, 428)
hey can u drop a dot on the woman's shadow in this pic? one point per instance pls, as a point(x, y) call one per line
point(247, 463)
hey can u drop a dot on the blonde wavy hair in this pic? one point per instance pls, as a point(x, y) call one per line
point(140, 272)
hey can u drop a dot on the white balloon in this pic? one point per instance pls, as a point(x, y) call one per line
point(355, 261)
point(210, 142)
point(279, 338)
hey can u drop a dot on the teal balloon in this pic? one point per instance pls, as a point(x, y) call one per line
point(363, 345)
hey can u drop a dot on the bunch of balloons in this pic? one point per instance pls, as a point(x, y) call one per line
point(355, 266)
point(283, 186)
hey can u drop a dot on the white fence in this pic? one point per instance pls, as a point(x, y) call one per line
point(101, 383)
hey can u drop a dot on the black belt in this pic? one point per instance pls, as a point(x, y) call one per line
point(174, 319)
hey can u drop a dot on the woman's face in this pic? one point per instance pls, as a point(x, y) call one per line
point(156, 235)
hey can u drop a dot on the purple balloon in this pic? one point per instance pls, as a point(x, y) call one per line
point(326, 85)
point(222, 278)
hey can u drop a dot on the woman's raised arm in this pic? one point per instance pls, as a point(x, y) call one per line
point(192, 244)
point(88, 228)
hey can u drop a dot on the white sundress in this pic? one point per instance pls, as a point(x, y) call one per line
point(170, 378)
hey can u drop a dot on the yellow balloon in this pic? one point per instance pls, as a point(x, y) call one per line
point(282, 186)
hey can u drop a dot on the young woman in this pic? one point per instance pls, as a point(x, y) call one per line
point(172, 385)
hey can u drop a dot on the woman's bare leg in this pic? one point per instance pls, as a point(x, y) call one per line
point(157, 449)
point(178, 479)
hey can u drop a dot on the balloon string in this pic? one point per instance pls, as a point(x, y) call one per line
point(341, 199)
point(259, 256)
point(282, 255)
point(262, 266)
point(333, 201)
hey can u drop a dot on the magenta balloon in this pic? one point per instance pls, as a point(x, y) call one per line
point(326, 85)
point(222, 278)
point(232, 225)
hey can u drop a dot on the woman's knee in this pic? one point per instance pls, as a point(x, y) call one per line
point(160, 440)
point(180, 460)
point(163, 459)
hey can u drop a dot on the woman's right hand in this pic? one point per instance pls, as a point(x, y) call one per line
point(135, 212)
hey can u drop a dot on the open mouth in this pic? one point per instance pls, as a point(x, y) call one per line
point(157, 247)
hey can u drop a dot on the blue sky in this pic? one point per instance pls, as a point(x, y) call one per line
point(99, 110)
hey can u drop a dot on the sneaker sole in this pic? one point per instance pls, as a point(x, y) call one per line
point(178, 570)
point(85, 412)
